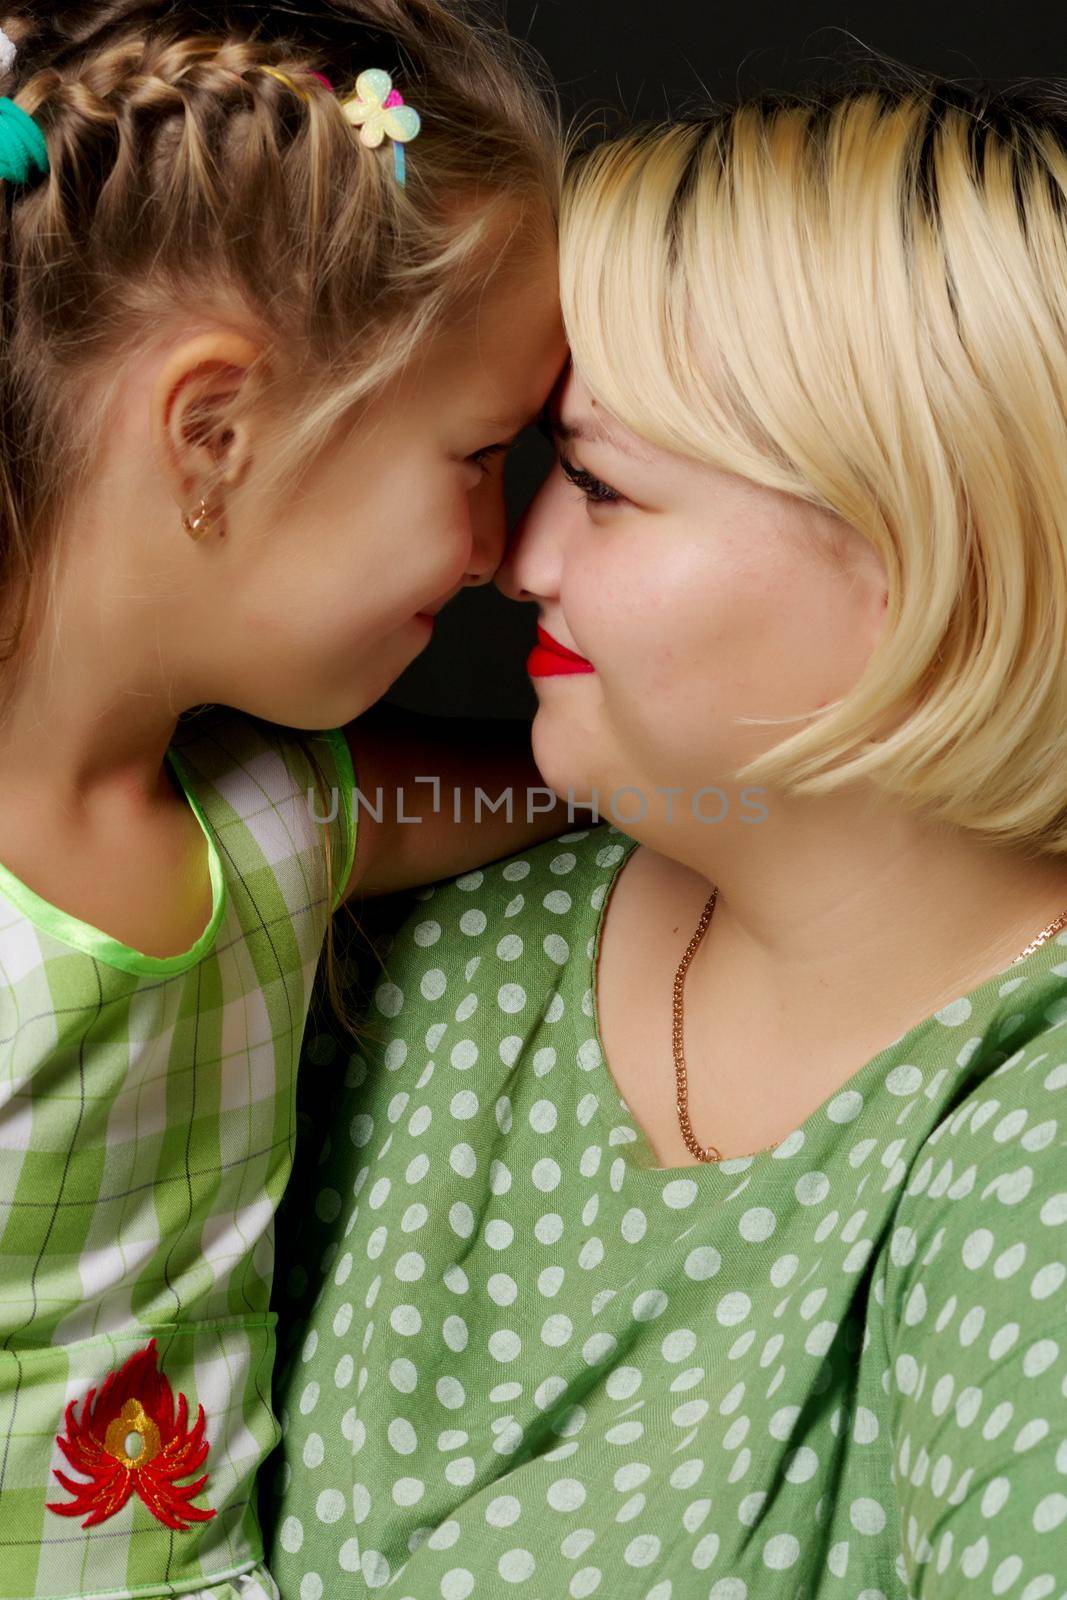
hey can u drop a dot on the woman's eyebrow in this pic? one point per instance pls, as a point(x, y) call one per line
point(585, 429)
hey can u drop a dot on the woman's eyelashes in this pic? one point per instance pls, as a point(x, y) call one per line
point(595, 490)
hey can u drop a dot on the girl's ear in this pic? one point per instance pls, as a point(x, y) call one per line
point(199, 442)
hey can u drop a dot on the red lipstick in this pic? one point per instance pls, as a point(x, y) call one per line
point(549, 658)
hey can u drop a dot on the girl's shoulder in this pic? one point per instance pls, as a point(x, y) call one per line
point(227, 748)
point(276, 787)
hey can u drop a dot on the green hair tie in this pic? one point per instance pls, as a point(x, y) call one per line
point(23, 151)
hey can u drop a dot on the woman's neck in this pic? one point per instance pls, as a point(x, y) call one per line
point(880, 914)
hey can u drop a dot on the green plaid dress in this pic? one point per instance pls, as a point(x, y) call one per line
point(146, 1136)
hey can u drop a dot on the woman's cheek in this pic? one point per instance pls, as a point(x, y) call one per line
point(602, 606)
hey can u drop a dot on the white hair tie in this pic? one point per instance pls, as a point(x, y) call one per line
point(8, 51)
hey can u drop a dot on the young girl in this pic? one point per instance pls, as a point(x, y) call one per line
point(277, 293)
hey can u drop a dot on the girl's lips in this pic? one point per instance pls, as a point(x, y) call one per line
point(549, 658)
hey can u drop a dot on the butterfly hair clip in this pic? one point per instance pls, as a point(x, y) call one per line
point(377, 110)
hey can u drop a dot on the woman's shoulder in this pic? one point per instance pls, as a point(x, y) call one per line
point(520, 922)
point(549, 882)
point(981, 1217)
point(974, 1296)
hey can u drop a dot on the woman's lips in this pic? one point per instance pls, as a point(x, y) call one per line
point(549, 658)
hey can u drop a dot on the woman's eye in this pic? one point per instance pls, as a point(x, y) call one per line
point(595, 490)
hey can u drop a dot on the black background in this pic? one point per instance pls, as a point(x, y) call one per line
point(622, 61)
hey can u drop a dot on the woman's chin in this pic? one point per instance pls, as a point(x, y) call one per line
point(558, 760)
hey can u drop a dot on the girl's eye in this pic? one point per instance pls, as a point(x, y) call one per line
point(595, 490)
point(482, 457)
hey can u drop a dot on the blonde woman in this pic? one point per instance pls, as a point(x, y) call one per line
point(695, 1223)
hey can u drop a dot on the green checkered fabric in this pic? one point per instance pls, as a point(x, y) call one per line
point(146, 1136)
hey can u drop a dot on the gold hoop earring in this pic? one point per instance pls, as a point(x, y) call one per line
point(198, 523)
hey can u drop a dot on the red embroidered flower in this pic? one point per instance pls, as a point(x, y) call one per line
point(131, 1442)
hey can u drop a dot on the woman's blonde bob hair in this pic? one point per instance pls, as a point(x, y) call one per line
point(858, 296)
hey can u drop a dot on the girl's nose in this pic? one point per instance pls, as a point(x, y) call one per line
point(488, 537)
point(530, 568)
point(508, 579)
point(489, 531)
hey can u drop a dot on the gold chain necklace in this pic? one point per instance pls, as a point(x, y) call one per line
point(711, 1154)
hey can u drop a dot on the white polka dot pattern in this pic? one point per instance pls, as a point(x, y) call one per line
point(522, 1358)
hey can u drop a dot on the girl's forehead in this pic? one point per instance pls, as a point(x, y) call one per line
point(519, 338)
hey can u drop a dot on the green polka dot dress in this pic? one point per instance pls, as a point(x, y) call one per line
point(520, 1358)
